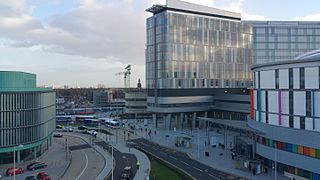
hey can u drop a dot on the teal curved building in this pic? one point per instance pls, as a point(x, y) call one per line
point(27, 117)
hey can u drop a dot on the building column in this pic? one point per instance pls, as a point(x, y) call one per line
point(35, 152)
point(194, 120)
point(205, 114)
point(176, 121)
point(180, 121)
point(48, 143)
point(154, 118)
point(168, 122)
point(18, 156)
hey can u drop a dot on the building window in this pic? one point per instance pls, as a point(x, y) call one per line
point(302, 123)
point(179, 83)
point(227, 83)
point(290, 78)
point(308, 103)
point(291, 121)
point(267, 109)
point(302, 78)
point(277, 78)
point(211, 82)
point(193, 83)
point(217, 83)
point(203, 83)
point(290, 102)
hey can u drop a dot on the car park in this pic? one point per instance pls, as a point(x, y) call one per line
point(36, 165)
point(43, 176)
point(57, 135)
point(31, 178)
point(59, 127)
point(68, 129)
point(11, 171)
point(82, 128)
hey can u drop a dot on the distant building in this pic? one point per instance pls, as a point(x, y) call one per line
point(286, 112)
point(275, 41)
point(136, 103)
point(100, 98)
point(196, 56)
point(60, 105)
point(27, 117)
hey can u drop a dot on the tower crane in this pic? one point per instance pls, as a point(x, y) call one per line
point(126, 76)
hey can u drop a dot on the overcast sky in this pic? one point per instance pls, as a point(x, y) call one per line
point(66, 42)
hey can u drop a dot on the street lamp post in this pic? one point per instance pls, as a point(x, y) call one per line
point(14, 160)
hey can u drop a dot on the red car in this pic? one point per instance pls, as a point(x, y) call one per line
point(43, 176)
point(11, 170)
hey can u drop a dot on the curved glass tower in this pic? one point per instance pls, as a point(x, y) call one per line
point(27, 116)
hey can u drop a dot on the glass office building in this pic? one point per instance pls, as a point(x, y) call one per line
point(192, 50)
point(27, 117)
point(276, 41)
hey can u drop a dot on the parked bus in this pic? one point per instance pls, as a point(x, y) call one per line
point(64, 118)
point(81, 118)
point(110, 122)
point(92, 122)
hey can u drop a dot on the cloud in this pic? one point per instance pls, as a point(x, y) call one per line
point(313, 17)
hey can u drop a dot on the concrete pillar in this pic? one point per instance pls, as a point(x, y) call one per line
point(180, 121)
point(194, 120)
point(168, 122)
point(48, 143)
point(35, 152)
point(186, 119)
point(18, 156)
point(41, 149)
point(205, 114)
point(154, 118)
point(176, 121)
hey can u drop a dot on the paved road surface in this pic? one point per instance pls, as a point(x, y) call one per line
point(86, 162)
point(182, 160)
point(121, 160)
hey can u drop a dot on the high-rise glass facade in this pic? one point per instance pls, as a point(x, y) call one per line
point(276, 41)
point(192, 51)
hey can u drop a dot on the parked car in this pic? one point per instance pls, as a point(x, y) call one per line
point(85, 132)
point(11, 171)
point(93, 132)
point(36, 165)
point(57, 135)
point(126, 174)
point(31, 178)
point(68, 129)
point(43, 176)
point(82, 128)
point(59, 127)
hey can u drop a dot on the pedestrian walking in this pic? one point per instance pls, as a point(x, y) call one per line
point(138, 164)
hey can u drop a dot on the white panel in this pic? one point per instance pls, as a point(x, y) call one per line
point(256, 80)
point(273, 119)
point(296, 78)
point(285, 121)
point(273, 101)
point(268, 79)
point(317, 104)
point(263, 100)
point(296, 122)
point(308, 123)
point(317, 124)
point(285, 102)
point(299, 103)
point(255, 99)
point(283, 79)
point(263, 117)
point(311, 78)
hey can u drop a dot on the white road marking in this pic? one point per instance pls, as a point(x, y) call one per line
point(214, 177)
point(185, 163)
point(197, 169)
point(173, 157)
point(85, 167)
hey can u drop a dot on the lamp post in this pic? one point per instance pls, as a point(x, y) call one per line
point(14, 160)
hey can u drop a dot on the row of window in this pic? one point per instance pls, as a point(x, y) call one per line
point(293, 148)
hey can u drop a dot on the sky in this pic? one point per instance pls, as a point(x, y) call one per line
point(86, 42)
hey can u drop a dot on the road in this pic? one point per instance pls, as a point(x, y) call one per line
point(121, 160)
point(183, 161)
point(86, 162)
